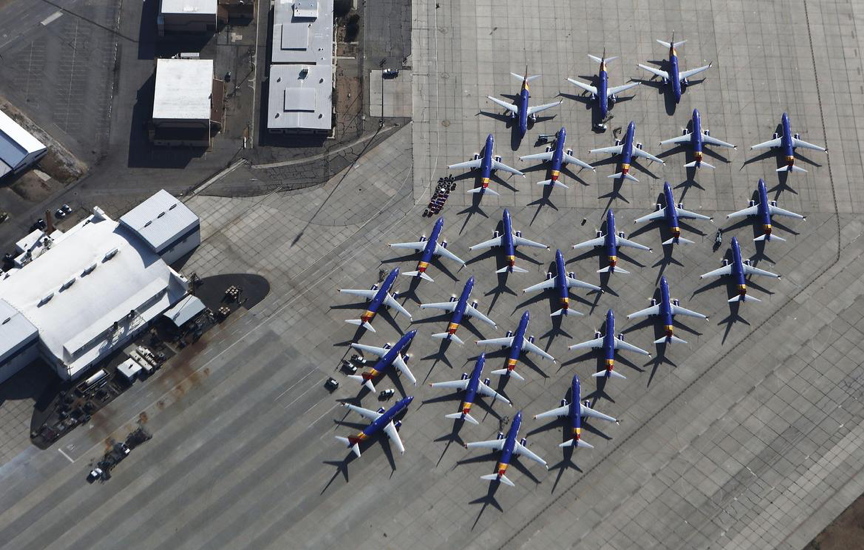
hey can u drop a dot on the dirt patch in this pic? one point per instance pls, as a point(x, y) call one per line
point(844, 533)
point(32, 188)
point(349, 105)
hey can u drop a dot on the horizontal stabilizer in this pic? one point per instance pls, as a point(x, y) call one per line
point(508, 372)
point(367, 382)
point(792, 168)
point(419, 274)
point(670, 340)
point(767, 237)
point(494, 477)
point(577, 442)
point(462, 416)
point(610, 269)
point(744, 298)
point(513, 269)
point(483, 190)
point(553, 183)
point(698, 164)
point(608, 374)
point(361, 323)
point(355, 447)
point(677, 240)
point(564, 312)
point(623, 175)
point(448, 336)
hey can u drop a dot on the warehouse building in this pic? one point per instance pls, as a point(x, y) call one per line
point(187, 16)
point(74, 298)
point(187, 103)
point(301, 74)
point(18, 148)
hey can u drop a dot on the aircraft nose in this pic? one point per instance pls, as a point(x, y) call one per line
point(409, 399)
point(412, 333)
point(525, 315)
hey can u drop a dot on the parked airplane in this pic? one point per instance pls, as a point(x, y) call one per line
point(610, 241)
point(389, 356)
point(739, 269)
point(487, 164)
point(675, 76)
point(575, 410)
point(430, 247)
point(697, 137)
point(471, 385)
point(666, 309)
point(627, 149)
point(517, 343)
point(603, 94)
point(520, 110)
point(459, 307)
point(382, 420)
point(609, 343)
point(562, 282)
point(377, 297)
point(765, 209)
point(787, 142)
point(508, 240)
point(671, 214)
point(508, 446)
point(558, 157)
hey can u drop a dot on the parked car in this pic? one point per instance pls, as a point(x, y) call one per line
point(331, 384)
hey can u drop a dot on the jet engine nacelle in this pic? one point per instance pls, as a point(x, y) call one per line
point(476, 156)
point(617, 142)
point(725, 262)
point(497, 158)
point(406, 357)
point(751, 203)
point(548, 275)
point(495, 234)
point(653, 302)
point(486, 381)
point(657, 207)
point(531, 338)
point(746, 262)
point(381, 409)
point(474, 303)
point(613, 98)
point(500, 435)
point(707, 132)
point(388, 345)
point(684, 132)
point(563, 402)
point(422, 238)
point(444, 244)
point(395, 295)
point(533, 117)
point(621, 234)
point(797, 136)
point(548, 148)
point(676, 302)
point(773, 203)
point(775, 136)
point(680, 205)
point(464, 376)
point(375, 287)
point(570, 151)
point(638, 145)
point(523, 442)
point(571, 275)
point(452, 297)
point(621, 336)
point(398, 424)
point(684, 84)
point(519, 234)
point(598, 233)
point(509, 334)
point(597, 334)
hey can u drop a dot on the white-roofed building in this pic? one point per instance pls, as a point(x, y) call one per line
point(18, 148)
point(188, 16)
point(184, 105)
point(89, 292)
point(301, 74)
point(166, 225)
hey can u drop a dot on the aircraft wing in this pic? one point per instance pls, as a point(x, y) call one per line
point(637, 152)
point(685, 138)
point(522, 241)
point(725, 270)
point(390, 301)
point(750, 270)
point(496, 165)
point(576, 283)
point(656, 215)
point(496, 444)
point(687, 74)
point(570, 159)
point(548, 283)
point(656, 72)
point(483, 389)
point(446, 306)
point(614, 150)
point(380, 352)
point(767, 144)
point(691, 215)
point(587, 87)
point(472, 312)
point(622, 88)
point(538, 156)
point(441, 251)
point(714, 141)
point(589, 412)
point(648, 311)
point(419, 245)
point(804, 145)
point(678, 310)
point(486, 244)
point(368, 294)
point(621, 344)
point(777, 211)
point(599, 241)
point(509, 106)
point(393, 434)
point(533, 348)
point(625, 242)
point(400, 364)
point(534, 109)
point(590, 344)
point(455, 384)
point(522, 450)
point(749, 211)
point(506, 342)
point(560, 411)
point(468, 164)
point(371, 415)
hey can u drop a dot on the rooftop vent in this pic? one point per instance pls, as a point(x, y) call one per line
point(173, 206)
point(46, 299)
point(67, 284)
point(89, 269)
point(6, 320)
point(111, 253)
